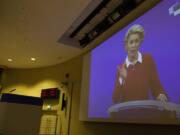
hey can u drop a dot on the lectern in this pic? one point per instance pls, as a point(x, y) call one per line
point(20, 115)
point(146, 111)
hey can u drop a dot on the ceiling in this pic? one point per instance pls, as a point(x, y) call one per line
point(31, 28)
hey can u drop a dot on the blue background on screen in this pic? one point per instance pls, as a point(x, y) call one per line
point(162, 41)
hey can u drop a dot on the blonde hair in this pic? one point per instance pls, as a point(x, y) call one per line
point(133, 30)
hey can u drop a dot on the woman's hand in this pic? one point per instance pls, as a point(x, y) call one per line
point(123, 72)
point(162, 97)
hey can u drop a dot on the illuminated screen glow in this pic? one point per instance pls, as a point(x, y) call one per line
point(162, 41)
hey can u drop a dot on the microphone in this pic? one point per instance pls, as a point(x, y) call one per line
point(12, 90)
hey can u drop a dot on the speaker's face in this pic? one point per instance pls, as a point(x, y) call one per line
point(133, 44)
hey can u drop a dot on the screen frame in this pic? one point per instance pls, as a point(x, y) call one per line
point(83, 115)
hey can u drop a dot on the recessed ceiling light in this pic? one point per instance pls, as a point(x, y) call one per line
point(33, 59)
point(10, 60)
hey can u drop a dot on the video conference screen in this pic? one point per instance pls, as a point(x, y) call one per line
point(134, 75)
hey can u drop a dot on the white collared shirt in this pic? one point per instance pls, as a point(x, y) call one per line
point(127, 63)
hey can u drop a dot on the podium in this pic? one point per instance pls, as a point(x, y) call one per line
point(20, 115)
point(148, 111)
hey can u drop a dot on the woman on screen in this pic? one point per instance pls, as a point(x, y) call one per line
point(137, 74)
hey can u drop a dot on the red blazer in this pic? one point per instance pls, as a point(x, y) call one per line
point(141, 78)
